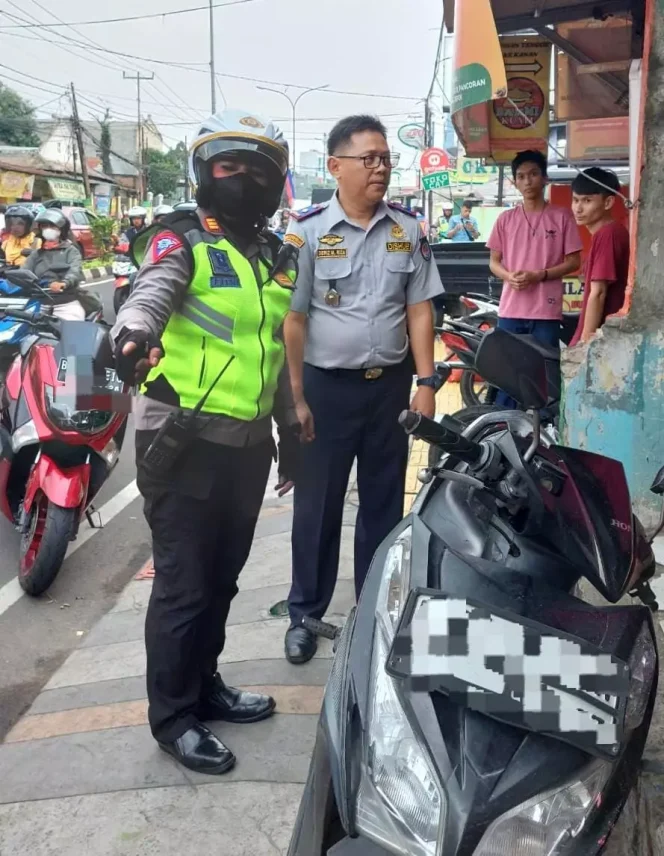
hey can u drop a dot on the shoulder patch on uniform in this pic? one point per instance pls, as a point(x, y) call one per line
point(425, 248)
point(163, 244)
point(397, 206)
point(294, 240)
point(305, 213)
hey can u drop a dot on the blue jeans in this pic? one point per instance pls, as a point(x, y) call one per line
point(547, 332)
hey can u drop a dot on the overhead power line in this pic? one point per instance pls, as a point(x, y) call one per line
point(124, 20)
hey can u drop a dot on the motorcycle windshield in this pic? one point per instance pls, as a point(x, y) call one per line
point(594, 516)
point(85, 369)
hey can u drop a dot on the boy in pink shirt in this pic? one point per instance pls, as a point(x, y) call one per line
point(533, 246)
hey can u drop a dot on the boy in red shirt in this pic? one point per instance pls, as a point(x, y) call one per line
point(606, 268)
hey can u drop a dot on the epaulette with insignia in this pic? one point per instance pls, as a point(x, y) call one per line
point(305, 213)
point(399, 207)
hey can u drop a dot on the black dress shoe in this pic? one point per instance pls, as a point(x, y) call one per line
point(201, 750)
point(300, 644)
point(232, 705)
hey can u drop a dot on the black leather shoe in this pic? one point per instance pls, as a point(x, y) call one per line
point(232, 705)
point(300, 644)
point(201, 750)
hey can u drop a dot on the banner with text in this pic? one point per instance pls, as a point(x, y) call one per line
point(16, 185)
point(521, 120)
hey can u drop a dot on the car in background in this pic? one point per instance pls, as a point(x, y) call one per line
point(81, 230)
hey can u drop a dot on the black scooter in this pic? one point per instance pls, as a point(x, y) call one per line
point(476, 705)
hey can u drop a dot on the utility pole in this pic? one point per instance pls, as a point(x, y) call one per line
point(324, 159)
point(79, 143)
point(427, 143)
point(139, 128)
point(213, 89)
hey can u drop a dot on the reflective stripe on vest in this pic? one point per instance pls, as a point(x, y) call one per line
point(228, 310)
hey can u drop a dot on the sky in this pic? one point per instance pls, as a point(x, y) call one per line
point(383, 49)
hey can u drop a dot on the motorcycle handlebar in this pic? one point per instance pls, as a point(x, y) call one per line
point(438, 435)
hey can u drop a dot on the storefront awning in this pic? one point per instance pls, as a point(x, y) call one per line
point(513, 15)
point(67, 191)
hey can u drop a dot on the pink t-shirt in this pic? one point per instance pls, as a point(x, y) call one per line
point(556, 236)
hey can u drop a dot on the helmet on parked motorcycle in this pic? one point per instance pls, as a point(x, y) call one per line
point(53, 217)
point(20, 213)
point(236, 134)
point(161, 211)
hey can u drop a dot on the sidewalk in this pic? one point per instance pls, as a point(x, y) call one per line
point(80, 774)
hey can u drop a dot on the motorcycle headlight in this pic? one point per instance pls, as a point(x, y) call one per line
point(545, 825)
point(395, 583)
point(642, 666)
point(400, 802)
point(67, 418)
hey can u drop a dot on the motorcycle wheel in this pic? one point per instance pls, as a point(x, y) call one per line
point(119, 297)
point(475, 394)
point(465, 416)
point(44, 544)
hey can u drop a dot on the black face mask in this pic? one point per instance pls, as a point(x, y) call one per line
point(238, 198)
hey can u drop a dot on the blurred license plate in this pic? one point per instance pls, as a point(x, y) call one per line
point(121, 268)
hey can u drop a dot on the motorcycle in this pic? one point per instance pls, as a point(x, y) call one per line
point(476, 705)
point(124, 272)
point(63, 414)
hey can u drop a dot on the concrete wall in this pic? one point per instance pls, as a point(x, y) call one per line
point(614, 388)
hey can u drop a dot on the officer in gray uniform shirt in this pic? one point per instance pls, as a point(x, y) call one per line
point(360, 326)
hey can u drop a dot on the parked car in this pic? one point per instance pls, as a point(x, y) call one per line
point(81, 226)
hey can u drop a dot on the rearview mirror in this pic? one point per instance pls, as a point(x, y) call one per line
point(526, 370)
point(657, 486)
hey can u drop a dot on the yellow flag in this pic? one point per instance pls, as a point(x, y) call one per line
point(479, 70)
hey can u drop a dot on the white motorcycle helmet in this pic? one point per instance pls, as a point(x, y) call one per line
point(161, 211)
point(136, 212)
point(249, 137)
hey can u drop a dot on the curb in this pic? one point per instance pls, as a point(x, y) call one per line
point(91, 274)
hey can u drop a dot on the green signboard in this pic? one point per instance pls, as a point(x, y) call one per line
point(435, 180)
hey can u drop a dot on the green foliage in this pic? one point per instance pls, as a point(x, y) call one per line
point(102, 232)
point(17, 121)
point(105, 142)
point(164, 171)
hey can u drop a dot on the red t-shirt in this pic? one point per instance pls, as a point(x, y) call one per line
point(607, 260)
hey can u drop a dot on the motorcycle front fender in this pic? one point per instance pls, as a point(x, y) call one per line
point(67, 488)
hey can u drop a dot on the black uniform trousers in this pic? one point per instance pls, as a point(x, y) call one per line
point(202, 517)
point(354, 418)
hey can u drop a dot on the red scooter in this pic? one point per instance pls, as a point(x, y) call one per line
point(63, 417)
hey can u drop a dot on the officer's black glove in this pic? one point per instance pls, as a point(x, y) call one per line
point(289, 451)
point(136, 352)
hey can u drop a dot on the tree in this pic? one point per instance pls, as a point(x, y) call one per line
point(105, 142)
point(164, 171)
point(17, 122)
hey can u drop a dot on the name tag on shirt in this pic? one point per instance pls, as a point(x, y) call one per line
point(399, 247)
point(337, 253)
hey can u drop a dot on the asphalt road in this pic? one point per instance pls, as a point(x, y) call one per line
point(36, 635)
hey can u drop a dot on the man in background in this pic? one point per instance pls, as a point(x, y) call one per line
point(444, 222)
point(605, 273)
point(463, 227)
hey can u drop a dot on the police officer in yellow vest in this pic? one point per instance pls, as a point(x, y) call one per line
point(205, 318)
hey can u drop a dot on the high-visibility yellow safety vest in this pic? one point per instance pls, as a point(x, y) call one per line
point(232, 308)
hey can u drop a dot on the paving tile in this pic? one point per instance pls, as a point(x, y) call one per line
point(220, 818)
point(100, 761)
point(257, 673)
point(291, 700)
point(276, 750)
point(245, 642)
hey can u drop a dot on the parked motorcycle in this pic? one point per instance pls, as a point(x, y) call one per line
point(124, 272)
point(475, 704)
point(63, 419)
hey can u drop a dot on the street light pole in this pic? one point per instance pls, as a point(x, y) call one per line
point(293, 104)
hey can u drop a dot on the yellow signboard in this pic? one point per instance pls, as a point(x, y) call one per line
point(479, 73)
point(521, 120)
point(16, 185)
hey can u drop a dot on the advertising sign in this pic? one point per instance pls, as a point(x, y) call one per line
point(412, 135)
point(68, 191)
point(478, 70)
point(598, 139)
point(433, 160)
point(521, 119)
point(16, 185)
point(435, 180)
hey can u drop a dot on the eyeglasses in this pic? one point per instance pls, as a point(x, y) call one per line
point(374, 161)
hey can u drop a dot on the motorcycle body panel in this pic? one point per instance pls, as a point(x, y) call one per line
point(66, 488)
